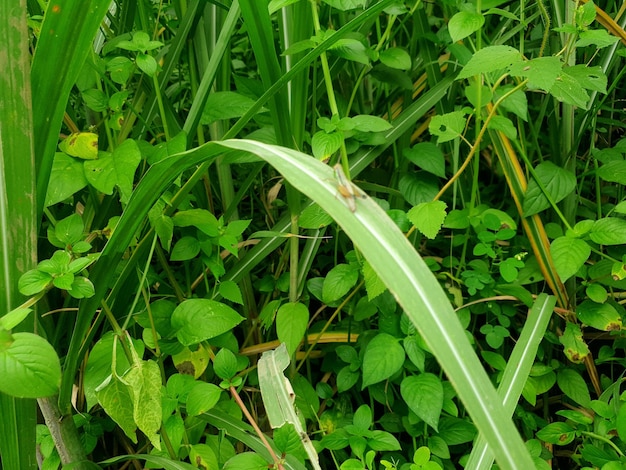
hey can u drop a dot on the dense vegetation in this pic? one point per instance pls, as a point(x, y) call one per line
point(312, 234)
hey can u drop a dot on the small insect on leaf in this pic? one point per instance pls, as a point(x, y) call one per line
point(346, 188)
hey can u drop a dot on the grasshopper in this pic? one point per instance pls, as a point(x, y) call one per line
point(346, 188)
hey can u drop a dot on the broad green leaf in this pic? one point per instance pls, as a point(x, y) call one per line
point(574, 346)
point(81, 288)
point(192, 362)
point(590, 78)
point(33, 282)
point(225, 364)
point(222, 105)
point(428, 217)
point(516, 102)
point(613, 172)
point(83, 145)
point(231, 292)
point(541, 72)
point(568, 89)
point(414, 352)
point(383, 357)
point(596, 37)
point(447, 126)
point(597, 293)
point(197, 320)
point(115, 169)
point(478, 95)
point(147, 64)
point(144, 384)
point(382, 441)
point(339, 280)
point(455, 431)
point(464, 23)
point(351, 49)
point(115, 399)
point(428, 157)
point(569, 255)
point(490, 59)
point(70, 229)
point(504, 125)
point(585, 14)
point(185, 249)
point(418, 187)
point(424, 396)
point(199, 218)
point(395, 58)
point(574, 386)
point(558, 433)
point(555, 180)
point(95, 99)
point(202, 397)
point(368, 123)
point(29, 366)
point(373, 284)
point(100, 364)
point(602, 317)
point(291, 322)
point(67, 178)
point(247, 460)
point(609, 231)
point(362, 418)
point(324, 144)
point(203, 456)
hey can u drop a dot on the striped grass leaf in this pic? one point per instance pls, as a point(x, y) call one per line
point(18, 240)
point(517, 371)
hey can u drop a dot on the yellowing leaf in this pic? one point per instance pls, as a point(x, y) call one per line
point(82, 145)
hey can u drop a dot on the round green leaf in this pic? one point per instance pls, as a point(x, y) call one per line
point(396, 58)
point(428, 217)
point(247, 460)
point(574, 386)
point(464, 23)
point(428, 157)
point(291, 322)
point(325, 144)
point(202, 397)
point(29, 366)
point(599, 316)
point(196, 320)
point(557, 433)
point(569, 254)
point(609, 231)
point(34, 281)
point(67, 178)
point(424, 396)
point(383, 357)
point(225, 364)
point(556, 181)
point(338, 282)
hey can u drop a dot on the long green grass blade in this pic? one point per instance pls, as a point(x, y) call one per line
point(516, 372)
point(66, 37)
point(18, 241)
point(414, 287)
